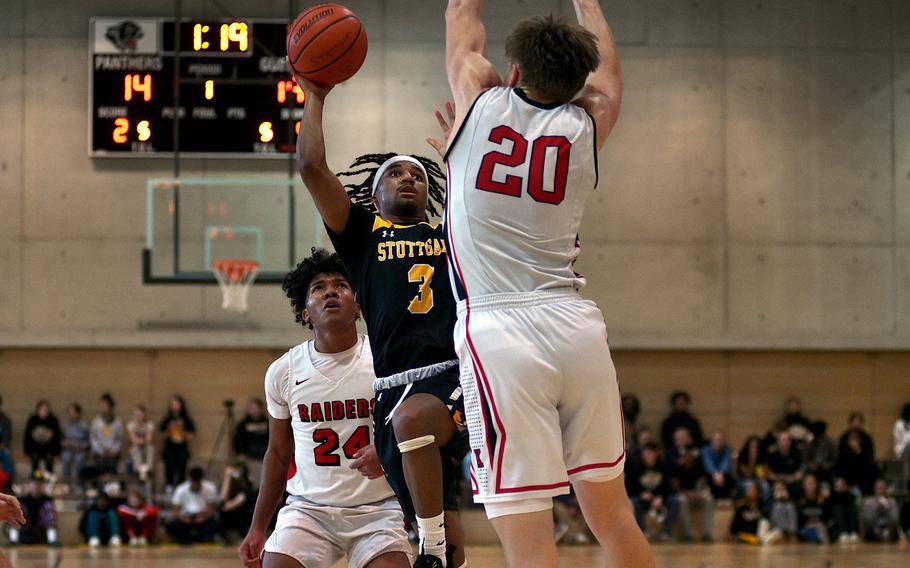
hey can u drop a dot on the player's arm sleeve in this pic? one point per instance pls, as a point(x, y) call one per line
point(351, 243)
point(276, 379)
point(467, 67)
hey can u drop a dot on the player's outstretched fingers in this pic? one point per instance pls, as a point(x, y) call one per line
point(11, 511)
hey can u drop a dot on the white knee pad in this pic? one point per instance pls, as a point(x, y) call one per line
point(518, 507)
point(416, 443)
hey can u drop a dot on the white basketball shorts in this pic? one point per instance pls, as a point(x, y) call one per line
point(318, 536)
point(541, 398)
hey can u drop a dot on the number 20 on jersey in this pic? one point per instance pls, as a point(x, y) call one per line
point(518, 156)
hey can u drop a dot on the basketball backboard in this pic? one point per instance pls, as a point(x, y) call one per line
point(192, 222)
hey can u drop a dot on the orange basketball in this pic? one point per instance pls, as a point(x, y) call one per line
point(327, 44)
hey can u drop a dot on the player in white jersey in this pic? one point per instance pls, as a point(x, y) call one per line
point(320, 402)
point(540, 389)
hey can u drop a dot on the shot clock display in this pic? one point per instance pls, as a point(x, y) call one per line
point(236, 97)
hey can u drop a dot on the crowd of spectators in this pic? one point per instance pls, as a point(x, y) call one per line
point(114, 469)
point(795, 483)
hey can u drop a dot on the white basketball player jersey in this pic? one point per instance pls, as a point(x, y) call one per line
point(519, 173)
point(331, 419)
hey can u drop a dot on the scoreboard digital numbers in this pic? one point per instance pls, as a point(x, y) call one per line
point(236, 96)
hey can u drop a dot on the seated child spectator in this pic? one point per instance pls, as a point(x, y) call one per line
point(75, 443)
point(688, 479)
point(750, 525)
point(106, 435)
point(819, 454)
point(717, 459)
point(880, 515)
point(238, 498)
point(857, 423)
point(785, 464)
point(783, 511)
point(194, 503)
point(100, 524)
point(40, 516)
point(141, 431)
point(855, 465)
point(648, 486)
point(751, 468)
point(844, 516)
point(813, 512)
point(138, 519)
point(42, 438)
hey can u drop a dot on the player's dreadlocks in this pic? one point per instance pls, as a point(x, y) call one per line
point(361, 192)
point(296, 284)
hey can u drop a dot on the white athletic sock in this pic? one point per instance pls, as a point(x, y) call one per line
point(13, 534)
point(51, 535)
point(432, 533)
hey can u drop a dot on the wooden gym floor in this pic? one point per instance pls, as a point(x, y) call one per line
point(668, 556)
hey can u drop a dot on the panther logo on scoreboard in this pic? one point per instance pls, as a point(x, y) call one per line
point(125, 35)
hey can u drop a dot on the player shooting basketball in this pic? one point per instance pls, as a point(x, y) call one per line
point(397, 263)
point(540, 387)
point(319, 402)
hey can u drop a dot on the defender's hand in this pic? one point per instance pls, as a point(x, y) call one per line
point(440, 146)
point(366, 461)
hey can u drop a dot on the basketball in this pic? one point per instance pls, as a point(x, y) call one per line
point(327, 44)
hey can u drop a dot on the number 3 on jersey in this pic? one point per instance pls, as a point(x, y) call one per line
point(518, 156)
point(423, 302)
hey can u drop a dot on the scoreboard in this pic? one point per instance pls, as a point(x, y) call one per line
point(225, 81)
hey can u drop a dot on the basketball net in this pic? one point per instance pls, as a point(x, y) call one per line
point(235, 278)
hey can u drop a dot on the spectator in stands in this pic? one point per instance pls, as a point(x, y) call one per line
point(40, 516)
point(819, 454)
point(797, 424)
point(194, 504)
point(750, 525)
point(881, 520)
point(813, 512)
point(100, 524)
point(751, 467)
point(681, 418)
point(855, 465)
point(141, 432)
point(769, 442)
point(138, 518)
point(857, 423)
point(42, 438)
point(643, 436)
point(238, 497)
point(648, 485)
point(631, 408)
point(783, 511)
point(251, 438)
point(785, 464)
point(717, 459)
point(844, 516)
point(75, 443)
point(689, 482)
point(902, 434)
point(179, 429)
point(106, 437)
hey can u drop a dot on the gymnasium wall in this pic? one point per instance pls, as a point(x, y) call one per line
point(755, 194)
point(740, 393)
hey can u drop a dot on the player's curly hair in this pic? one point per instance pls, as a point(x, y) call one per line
point(296, 284)
point(361, 192)
point(555, 56)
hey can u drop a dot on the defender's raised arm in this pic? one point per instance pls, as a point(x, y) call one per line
point(602, 95)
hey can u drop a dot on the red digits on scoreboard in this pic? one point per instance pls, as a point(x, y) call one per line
point(138, 84)
point(121, 127)
point(284, 87)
